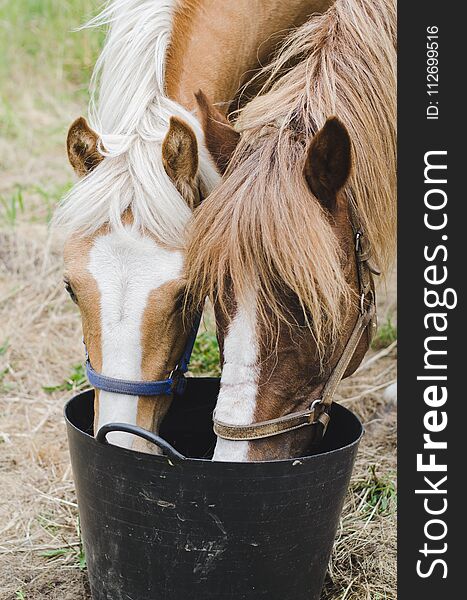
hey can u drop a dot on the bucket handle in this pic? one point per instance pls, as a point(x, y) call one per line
point(166, 448)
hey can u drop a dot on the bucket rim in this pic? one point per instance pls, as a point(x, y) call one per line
point(197, 460)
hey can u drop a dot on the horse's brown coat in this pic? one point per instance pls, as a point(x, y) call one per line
point(216, 44)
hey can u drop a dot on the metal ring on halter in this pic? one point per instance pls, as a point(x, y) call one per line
point(315, 402)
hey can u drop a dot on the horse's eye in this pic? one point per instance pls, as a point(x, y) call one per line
point(70, 291)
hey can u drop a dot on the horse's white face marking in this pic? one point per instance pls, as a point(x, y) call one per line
point(127, 268)
point(239, 383)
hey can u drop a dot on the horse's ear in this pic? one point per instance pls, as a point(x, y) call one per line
point(221, 138)
point(82, 146)
point(329, 162)
point(180, 158)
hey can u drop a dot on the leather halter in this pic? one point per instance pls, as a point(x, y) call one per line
point(317, 415)
point(175, 383)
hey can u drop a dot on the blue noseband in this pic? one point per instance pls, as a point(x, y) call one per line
point(175, 383)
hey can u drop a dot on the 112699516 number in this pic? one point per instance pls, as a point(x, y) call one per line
point(432, 72)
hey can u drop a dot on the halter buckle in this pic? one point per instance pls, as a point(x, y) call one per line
point(358, 237)
point(362, 304)
point(174, 372)
point(178, 380)
point(314, 403)
point(312, 416)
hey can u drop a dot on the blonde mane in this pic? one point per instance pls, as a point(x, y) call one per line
point(131, 112)
point(262, 228)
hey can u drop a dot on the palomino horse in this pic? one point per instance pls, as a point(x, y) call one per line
point(144, 168)
point(284, 245)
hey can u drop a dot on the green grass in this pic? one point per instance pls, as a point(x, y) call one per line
point(80, 555)
point(36, 37)
point(39, 199)
point(44, 64)
point(53, 194)
point(385, 336)
point(12, 206)
point(205, 358)
point(58, 552)
point(45, 68)
point(75, 381)
point(377, 494)
point(9, 123)
point(76, 551)
point(4, 346)
point(45, 198)
point(4, 371)
point(20, 595)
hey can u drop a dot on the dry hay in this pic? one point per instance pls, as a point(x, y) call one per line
point(40, 340)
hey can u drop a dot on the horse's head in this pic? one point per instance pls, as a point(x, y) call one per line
point(274, 246)
point(126, 280)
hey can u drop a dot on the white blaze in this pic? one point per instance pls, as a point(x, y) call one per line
point(127, 268)
point(239, 381)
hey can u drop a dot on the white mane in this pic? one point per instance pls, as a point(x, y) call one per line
point(130, 112)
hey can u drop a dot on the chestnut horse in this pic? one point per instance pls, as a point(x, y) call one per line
point(284, 245)
point(144, 168)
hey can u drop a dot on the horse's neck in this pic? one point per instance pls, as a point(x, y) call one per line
point(216, 43)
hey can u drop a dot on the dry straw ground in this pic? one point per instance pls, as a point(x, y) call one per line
point(43, 68)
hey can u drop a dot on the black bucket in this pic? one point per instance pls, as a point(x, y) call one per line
point(164, 528)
